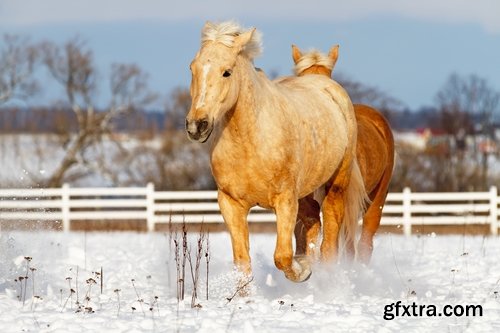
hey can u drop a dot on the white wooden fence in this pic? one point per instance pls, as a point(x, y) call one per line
point(68, 204)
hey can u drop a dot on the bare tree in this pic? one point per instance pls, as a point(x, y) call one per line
point(361, 93)
point(169, 160)
point(72, 66)
point(471, 96)
point(177, 107)
point(467, 105)
point(180, 164)
point(17, 63)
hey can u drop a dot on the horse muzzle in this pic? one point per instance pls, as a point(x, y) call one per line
point(199, 130)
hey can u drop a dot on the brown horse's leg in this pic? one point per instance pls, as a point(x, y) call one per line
point(371, 222)
point(235, 217)
point(308, 226)
point(333, 212)
point(295, 269)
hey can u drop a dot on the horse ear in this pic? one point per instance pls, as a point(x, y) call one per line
point(243, 39)
point(207, 25)
point(296, 54)
point(334, 53)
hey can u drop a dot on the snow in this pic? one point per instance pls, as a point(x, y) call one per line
point(438, 270)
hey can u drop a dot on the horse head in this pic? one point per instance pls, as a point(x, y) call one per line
point(216, 74)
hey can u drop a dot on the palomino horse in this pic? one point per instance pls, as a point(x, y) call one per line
point(375, 155)
point(266, 138)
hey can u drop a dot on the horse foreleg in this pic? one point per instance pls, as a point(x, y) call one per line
point(296, 269)
point(308, 226)
point(235, 217)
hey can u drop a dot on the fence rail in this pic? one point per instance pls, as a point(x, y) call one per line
point(68, 204)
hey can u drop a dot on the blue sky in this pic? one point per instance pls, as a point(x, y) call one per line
point(406, 48)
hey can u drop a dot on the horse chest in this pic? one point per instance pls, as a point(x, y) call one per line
point(250, 175)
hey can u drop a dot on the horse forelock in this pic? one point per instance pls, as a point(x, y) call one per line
point(313, 58)
point(226, 32)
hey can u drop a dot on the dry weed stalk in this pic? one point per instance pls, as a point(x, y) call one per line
point(33, 269)
point(139, 299)
point(28, 260)
point(70, 296)
point(195, 274)
point(184, 258)
point(182, 254)
point(117, 292)
point(207, 260)
point(240, 289)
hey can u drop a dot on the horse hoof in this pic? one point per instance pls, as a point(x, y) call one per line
point(307, 278)
point(301, 269)
point(364, 254)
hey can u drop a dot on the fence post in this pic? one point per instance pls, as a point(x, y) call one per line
point(150, 206)
point(407, 211)
point(494, 210)
point(65, 209)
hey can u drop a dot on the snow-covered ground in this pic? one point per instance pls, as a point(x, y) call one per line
point(428, 270)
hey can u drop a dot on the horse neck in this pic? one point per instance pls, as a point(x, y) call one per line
point(241, 119)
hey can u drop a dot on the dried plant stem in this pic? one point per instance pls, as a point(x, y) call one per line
point(67, 299)
point(184, 257)
point(90, 282)
point(71, 292)
point(139, 299)
point(21, 289)
point(117, 291)
point(195, 273)
point(178, 269)
point(76, 286)
point(28, 259)
point(207, 259)
point(240, 288)
point(33, 286)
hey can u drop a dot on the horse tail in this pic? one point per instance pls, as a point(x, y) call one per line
point(355, 202)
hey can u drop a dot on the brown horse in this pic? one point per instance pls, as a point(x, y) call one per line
point(375, 154)
point(266, 137)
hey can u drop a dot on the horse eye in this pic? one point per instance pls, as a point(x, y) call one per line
point(227, 73)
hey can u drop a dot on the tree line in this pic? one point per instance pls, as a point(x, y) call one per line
point(465, 110)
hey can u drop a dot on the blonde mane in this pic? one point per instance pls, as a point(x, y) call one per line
point(225, 33)
point(313, 58)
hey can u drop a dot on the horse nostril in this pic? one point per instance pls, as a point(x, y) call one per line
point(187, 124)
point(202, 126)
